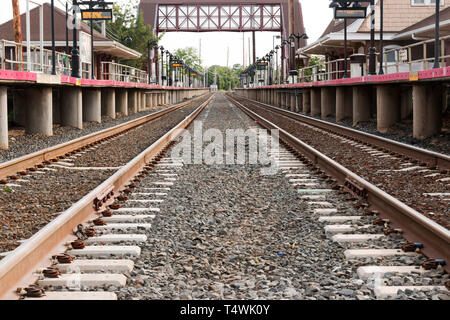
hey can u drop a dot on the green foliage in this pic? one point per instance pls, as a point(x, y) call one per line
point(314, 61)
point(227, 78)
point(130, 30)
point(7, 189)
point(190, 56)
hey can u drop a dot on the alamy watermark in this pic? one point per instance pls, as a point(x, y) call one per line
point(237, 147)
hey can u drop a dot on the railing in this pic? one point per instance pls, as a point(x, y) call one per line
point(412, 58)
point(325, 71)
point(415, 57)
point(119, 72)
point(13, 56)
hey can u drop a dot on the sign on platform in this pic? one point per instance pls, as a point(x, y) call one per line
point(85, 47)
point(350, 13)
point(403, 55)
point(97, 14)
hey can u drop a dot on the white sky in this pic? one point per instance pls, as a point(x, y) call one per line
point(316, 15)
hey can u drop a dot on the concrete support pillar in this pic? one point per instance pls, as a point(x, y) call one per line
point(149, 101)
point(19, 107)
point(282, 100)
point(122, 101)
point(361, 104)
point(143, 101)
point(71, 104)
point(92, 105)
point(3, 118)
point(306, 97)
point(109, 103)
point(160, 99)
point(427, 110)
point(388, 106)
point(132, 101)
point(39, 111)
point(293, 102)
point(299, 102)
point(328, 102)
point(316, 100)
point(166, 98)
point(344, 103)
point(155, 100)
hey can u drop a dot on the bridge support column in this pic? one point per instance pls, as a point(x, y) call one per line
point(3, 118)
point(132, 101)
point(388, 107)
point(122, 101)
point(316, 102)
point(328, 103)
point(427, 110)
point(39, 112)
point(361, 104)
point(92, 105)
point(109, 103)
point(344, 103)
point(72, 107)
point(306, 97)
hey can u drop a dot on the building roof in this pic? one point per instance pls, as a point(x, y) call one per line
point(426, 27)
point(101, 43)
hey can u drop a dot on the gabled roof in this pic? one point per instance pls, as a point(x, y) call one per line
point(7, 28)
point(427, 24)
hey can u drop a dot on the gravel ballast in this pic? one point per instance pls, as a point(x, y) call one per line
point(389, 174)
point(228, 232)
point(34, 200)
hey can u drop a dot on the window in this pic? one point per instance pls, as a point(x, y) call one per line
point(425, 2)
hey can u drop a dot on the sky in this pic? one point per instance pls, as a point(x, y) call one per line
point(215, 45)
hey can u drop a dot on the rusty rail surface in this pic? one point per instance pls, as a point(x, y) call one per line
point(16, 267)
point(416, 227)
point(30, 160)
point(433, 159)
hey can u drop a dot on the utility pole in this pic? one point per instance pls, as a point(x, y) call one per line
point(17, 31)
point(75, 52)
point(254, 46)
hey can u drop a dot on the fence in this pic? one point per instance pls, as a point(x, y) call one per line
point(120, 72)
point(411, 58)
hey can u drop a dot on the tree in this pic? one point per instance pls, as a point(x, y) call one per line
point(227, 78)
point(129, 29)
point(190, 56)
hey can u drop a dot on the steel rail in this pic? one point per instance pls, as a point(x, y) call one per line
point(30, 160)
point(416, 227)
point(15, 268)
point(432, 158)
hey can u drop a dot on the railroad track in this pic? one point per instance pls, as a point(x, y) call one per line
point(29, 200)
point(154, 180)
point(35, 250)
point(390, 202)
point(432, 239)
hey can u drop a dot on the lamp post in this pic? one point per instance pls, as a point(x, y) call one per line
point(163, 71)
point(436, 37)
point(75, 52)
point(381, 39)
point(372, 60)
point(53, 39)
point(276, 62)
point(283, 60)
point(292, 72)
